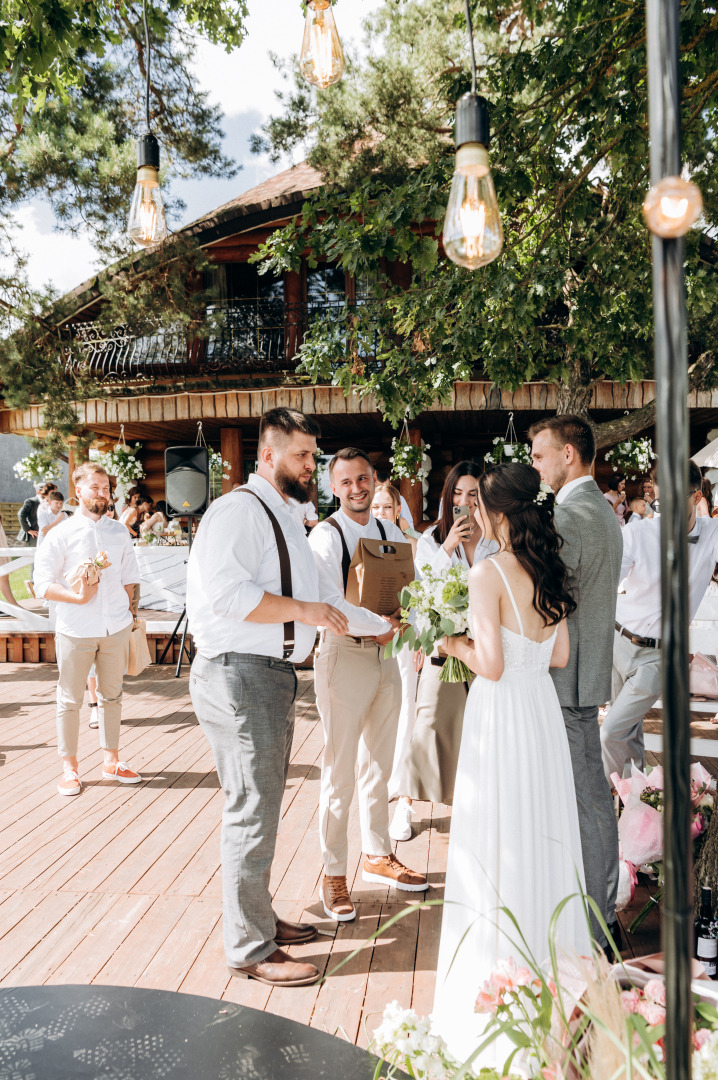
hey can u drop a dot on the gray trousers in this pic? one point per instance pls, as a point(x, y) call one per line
point(596, 815)
point(245, 705)
point(636, 687)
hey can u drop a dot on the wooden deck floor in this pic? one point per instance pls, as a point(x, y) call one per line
point(121, 885)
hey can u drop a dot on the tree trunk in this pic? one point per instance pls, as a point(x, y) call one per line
point(705, 871)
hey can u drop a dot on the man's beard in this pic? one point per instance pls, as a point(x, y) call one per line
point(558, 480)
point(96, 504)
point(292, 486)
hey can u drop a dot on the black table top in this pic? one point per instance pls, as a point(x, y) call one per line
point(60, 1032)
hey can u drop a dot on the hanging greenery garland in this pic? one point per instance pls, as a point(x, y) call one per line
point(39, 465)
point(632, 458)
point(407, 460)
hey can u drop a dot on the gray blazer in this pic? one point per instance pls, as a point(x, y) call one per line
point(592, 550)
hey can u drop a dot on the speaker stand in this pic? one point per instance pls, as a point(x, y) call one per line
point(184, 648)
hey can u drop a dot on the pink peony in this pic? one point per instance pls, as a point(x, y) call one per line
point(655, 990)
point(701, 1036)
point(652, 1013)
point(630, 999)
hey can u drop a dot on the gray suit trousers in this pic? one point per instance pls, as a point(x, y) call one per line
point(245, 706)
point(596, 816)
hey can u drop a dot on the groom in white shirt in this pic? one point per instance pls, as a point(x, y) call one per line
point(358, 697)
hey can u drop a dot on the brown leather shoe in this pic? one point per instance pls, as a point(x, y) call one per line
point(294, 933)
point(387, 870)
point(278, 970)
point(335, 898)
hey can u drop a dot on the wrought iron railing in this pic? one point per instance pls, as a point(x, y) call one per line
point(247, 337)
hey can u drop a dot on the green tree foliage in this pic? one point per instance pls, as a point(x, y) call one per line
point(71, 106)
point(569, 299)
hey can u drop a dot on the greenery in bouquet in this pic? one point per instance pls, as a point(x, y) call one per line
point(219, 470)
point(632, 458)
point(121, 463)
point(504, 453)
point(407, 460)
point(39, 465)
point(432, 608)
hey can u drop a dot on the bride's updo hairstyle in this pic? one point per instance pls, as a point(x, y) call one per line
point(512, 490)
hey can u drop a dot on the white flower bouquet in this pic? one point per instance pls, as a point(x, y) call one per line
point(508, 453)
point(36, 467)
point(435, 607)
point(634, 457)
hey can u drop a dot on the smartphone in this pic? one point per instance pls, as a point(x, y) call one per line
point(462, 511)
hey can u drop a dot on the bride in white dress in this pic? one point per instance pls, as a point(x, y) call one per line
point(514, 838)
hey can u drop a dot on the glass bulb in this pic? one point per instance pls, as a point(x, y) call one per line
point(147, 224)
point(472, 234)
point(671, 207)
point(321, 60)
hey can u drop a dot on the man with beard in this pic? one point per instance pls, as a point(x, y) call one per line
point(252, 606)
point(93, 624)
point(563, 450)
point(358, 697)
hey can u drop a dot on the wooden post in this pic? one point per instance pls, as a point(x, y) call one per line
point(413, 492)
point(71, 466)
point(232, 450)
point(294, 311)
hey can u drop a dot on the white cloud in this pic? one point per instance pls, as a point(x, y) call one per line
point(53, 257)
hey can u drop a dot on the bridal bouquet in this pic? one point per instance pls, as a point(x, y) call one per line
point(433, 608)
point(92, 568)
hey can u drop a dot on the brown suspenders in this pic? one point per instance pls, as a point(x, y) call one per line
point(346, 557)
point(285, 570)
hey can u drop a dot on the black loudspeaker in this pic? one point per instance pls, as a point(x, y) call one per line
point(187, 479)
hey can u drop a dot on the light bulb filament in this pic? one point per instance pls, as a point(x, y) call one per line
point(473, 224)
point(673, 208)
point(321, 50)
point(148, 220)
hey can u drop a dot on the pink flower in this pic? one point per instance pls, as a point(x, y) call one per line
point(652, 1013)
point(701, 1036)
point(697, 826)
point(506, 976)
point(655, 990)
point(630, 999)
point(488, 999)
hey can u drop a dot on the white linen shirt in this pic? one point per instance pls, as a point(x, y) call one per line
point(430, 551)
point(566, 490)
point(639, 607)
point(45, 517)
point(326, 544)
point(233, 562)
point(72, 542)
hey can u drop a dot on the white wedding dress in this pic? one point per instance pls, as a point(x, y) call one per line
point(514, 840)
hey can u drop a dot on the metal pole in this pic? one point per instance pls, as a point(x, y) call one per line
point(672, 429)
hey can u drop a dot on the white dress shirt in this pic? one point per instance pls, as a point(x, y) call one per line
point(430, 551)
point(45, 517)
point(639, 607)
point(233, 562)
point(566, 490)
point(305, 511)
point(73, 541)
point(326, 544)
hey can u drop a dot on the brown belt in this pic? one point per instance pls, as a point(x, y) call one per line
point(636, 639)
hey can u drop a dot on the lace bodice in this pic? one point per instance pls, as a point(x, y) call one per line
point(521, 653)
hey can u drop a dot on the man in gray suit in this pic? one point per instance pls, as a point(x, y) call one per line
point(563, 450)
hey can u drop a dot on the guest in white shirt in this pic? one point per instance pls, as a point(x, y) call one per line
point(49, 514)
point(253, 608)
point(358, 696)
point(429, 768)
point(636, 650)
point(92, 625)
point(306, 513)
point(640, 510)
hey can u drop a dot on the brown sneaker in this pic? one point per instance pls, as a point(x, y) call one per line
point(278, 970)
point(335, 897)
point(387, 870)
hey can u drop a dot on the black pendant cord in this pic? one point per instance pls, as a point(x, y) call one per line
point(147, 63)
point(470, 27)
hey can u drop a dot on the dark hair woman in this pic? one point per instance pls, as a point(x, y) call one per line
point(515, 810)
point(427, 771)
point(616, 495)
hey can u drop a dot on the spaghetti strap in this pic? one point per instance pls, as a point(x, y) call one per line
point(511, 596)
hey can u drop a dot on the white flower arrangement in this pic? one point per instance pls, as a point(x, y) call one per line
point(406, 1041)
point(36, 467)
point(633, 458)
point(408, 461)
point(435, 607)
point(218, 468)
point(508, 452)
point(121, 463)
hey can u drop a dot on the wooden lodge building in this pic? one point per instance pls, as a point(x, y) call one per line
point(159, 389)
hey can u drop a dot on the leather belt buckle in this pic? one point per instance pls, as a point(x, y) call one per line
point(636, 639)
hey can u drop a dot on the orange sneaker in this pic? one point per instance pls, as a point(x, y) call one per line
point(121, 771)
point(70, 783)
point(387, 870)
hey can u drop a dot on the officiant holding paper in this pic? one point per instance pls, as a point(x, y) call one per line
point(358, 696)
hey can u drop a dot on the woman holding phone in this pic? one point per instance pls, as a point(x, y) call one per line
point(430, 769)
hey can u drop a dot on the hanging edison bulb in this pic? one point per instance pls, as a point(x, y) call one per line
point(672, 206)
point(472, 234)
point(147, 224)
point(321, 60)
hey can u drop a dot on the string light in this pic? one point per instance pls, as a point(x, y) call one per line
point(147, 223)
point(671, 207)
point(321, 60)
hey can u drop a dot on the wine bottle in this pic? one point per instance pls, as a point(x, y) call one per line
point(706, 946)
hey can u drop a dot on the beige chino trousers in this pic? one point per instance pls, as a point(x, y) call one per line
point(359, 699)
point(75, 657)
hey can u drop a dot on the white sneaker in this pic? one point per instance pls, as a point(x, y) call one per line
point(400, 828)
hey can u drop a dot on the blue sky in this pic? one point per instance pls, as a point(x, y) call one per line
point(244, 84)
